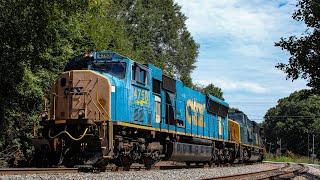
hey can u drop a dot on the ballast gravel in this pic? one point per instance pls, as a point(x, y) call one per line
point(312, 173)
point(314, 170)
point(197, 173)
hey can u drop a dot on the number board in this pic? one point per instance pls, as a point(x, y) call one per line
point(104, 56)
point(140, 96)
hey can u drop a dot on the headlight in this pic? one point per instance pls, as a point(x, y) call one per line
point(81, 113)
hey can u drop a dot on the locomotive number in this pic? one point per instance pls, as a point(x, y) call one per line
point(195, 113)
point(140, 96)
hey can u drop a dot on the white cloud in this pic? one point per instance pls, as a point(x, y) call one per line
point(229, 85)
point(237, 50)
point(244, 23)
point(254, 19)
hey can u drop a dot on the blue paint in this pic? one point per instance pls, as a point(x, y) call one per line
point(134, 102)
point(249, 130)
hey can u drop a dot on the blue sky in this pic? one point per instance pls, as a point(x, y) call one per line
point(237, 52)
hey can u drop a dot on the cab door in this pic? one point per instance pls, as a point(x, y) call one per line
point(140, 92)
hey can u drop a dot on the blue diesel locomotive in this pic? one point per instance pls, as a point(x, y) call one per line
point(106, 108)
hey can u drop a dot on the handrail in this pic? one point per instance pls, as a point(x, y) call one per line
point(54, 105)
point(99, 109)
point(66, 132)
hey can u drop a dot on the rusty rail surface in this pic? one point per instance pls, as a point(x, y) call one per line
point(19, 171)
point(276, 173)
point(15, 171)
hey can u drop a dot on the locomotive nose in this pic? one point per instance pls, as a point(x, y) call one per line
point(81, 94)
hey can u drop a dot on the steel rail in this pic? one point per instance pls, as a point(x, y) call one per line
point(16, 171)
point(275, 173)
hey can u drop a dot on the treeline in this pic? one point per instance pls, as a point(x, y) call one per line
point(39, 36)
point(294, 119)
point(298, 116)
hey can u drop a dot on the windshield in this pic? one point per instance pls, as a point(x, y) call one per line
point(115, 68)
point(235, 116)
point(78, 63)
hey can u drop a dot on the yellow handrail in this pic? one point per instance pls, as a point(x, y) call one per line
point(66, 132)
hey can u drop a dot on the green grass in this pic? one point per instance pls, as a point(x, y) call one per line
point(292, 158)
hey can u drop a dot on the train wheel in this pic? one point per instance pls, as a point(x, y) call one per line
point(211, 164)
point(118, 163)
point(70, 163)
point(215, 158)
point(229, 156)
point(70, 160)
point(126, 162)
point(221, 156)
point(101, 164)
point(148, 162)
point(246, 155)
point(102, 169)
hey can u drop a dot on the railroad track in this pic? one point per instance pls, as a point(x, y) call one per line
point(142, 168)
point(14, 171)
point(286, 172)
point(167, 167)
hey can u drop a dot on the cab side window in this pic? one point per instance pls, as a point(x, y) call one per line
point(140, 74)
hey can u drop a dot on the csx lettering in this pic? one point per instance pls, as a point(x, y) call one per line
point(195, 113)
point(73, 91)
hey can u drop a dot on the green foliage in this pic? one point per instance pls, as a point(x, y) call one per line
point(292, 119)
point(38, 37)
point(159, 35)
point(209, 89)
point(304, 50)
point(295, 159)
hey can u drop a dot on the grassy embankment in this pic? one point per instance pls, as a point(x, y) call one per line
point(292, 158)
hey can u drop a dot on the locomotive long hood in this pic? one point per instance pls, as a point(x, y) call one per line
point(81, 94)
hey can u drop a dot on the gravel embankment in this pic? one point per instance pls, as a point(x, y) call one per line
point(312, 173)
point(201, 173)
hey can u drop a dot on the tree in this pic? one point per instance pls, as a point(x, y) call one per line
point(209, 89)
point(304, 51)
point(37, 38)
point(292, 119)
point(159, 35)
point(26, 36)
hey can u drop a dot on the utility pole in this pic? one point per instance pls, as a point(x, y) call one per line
point(308, 147)
point(270, 144)
point(313, 155)
point(280, 146)
point(279, 143)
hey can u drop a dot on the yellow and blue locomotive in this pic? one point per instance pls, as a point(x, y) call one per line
point(106, 108)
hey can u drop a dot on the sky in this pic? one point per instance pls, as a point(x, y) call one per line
point(237, 51)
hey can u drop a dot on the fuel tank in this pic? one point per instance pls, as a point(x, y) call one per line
point(189, 152)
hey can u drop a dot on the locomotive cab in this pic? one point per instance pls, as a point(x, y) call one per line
point(79, 127)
